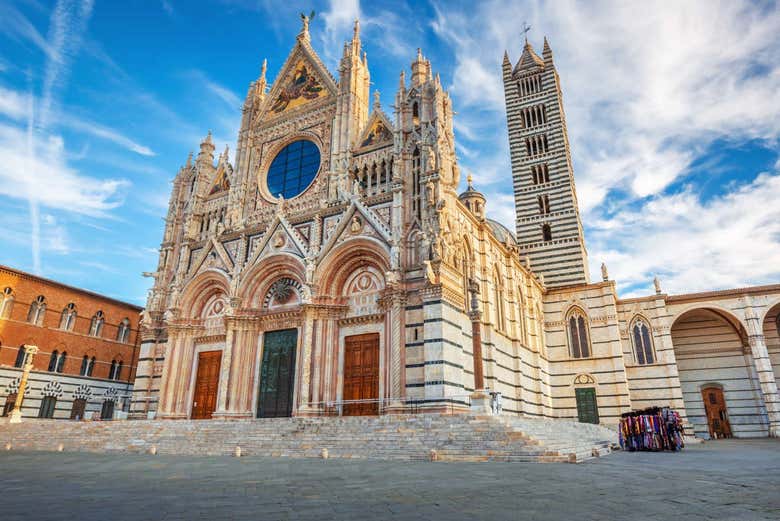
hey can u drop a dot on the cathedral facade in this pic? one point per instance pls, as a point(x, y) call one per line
point(333, 268)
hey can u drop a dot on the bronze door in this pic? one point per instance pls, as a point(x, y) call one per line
point(204, 399)
point(361, 374)
point(717, 414)
point(277, 374)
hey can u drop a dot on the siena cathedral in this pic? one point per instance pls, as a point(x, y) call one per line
point(334, 269)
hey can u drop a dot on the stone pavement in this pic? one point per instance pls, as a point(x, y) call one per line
point(727, 479)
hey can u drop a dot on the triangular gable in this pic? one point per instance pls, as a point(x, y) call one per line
point(529, 59)
point(378, 131)
point(367, 225)
point(303, 79)
point(280, 238)
point(212, 256)
point(221, 181)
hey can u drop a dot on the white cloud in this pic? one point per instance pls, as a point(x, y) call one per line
point(45, 176)
point(647, 90)
point(730, 241)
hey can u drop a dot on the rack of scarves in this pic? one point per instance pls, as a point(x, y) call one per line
point(655, 429)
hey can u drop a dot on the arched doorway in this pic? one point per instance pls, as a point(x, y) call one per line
point(715, 363)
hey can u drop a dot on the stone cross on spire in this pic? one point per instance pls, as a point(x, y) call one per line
point(526, 28)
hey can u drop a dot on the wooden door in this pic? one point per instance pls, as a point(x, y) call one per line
point(79, 407)
point(361, 374)
point(10, 401)
point(587, 409)
point(107, 410)
point(204, 399)
point(717, 414)
point(277, 374)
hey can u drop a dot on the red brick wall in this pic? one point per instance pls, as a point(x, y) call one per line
point(16, 331)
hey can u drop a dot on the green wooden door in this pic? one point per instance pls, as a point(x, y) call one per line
point(277, 374)
point(587, 410)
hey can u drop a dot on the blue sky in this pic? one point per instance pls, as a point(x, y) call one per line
point(674, 119)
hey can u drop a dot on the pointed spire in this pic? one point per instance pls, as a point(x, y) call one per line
point(402, 80)
point(356, 30)
point(188, 164)
point(529, 58)
point(208, 140)
point(377, 105)
point(547, 52)
point(419, 55)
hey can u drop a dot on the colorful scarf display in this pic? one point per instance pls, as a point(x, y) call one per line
point(652, 429)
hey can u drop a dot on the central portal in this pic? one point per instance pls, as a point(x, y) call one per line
point(277, 374)
point(361, 374)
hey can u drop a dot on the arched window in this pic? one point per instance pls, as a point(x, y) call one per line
point(111, 370)
point(546, 232)
point(61, 361)
point(7, 303)
point(579, 345)
point(118, 371)
point(498, 299)
point(47, 407)
point(91, 366)
point(37, 311)
point(19, 357)
point(643, 342)
point(96, 326)
point(84, 366)
point(416, 173)
point(123, 331)
point(415, 114)
point(68, 317)
point(53, 360)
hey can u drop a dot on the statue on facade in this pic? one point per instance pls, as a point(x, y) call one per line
point(604, 273)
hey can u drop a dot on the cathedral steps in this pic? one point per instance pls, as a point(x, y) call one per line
point(419, 437)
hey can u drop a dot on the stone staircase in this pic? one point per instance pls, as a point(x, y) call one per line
point(413, 437)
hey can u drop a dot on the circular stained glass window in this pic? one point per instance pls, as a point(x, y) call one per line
point(293, 169)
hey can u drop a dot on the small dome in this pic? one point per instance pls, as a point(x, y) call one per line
point(473, 200)
point(470, 191)
point(501, 232)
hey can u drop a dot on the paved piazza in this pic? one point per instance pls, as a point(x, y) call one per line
point(734, 480)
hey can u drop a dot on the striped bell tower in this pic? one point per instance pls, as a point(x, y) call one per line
point(549, 230)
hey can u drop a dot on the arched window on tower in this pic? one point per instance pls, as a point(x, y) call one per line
point(37, 311)
point(96, 325)
point(84, 366)
point(576, 324)
point(68, 317)
point(642, 340)
point(546, 232)
point(415, 114)
point(7, 303)
point(416, 172)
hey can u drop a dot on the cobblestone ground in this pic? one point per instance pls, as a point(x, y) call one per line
point(730, 480)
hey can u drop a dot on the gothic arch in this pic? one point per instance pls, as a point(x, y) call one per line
point(201, 290)
point(577, 327)
point(259, 279)
point(723, 312)
point(769, 308)
point(349, 256)
point(643, 348)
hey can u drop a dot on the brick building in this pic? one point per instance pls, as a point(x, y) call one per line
point(88, 347)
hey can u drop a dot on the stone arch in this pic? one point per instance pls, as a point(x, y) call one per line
point(341, 262)
point(578, 335)
point(711, 347)
point(201, 291)
point(261, 277)
point(770, 327)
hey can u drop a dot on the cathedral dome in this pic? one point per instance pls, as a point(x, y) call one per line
point(501, 232)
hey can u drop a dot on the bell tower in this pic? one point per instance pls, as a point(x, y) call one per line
point(548, 225)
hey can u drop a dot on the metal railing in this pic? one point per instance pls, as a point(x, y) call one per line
point(447, 404)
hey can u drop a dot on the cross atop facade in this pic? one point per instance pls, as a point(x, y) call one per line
point(526, 28)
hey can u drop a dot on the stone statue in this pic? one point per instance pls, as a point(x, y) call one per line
point(604, 273)
point(356, 225)
point(430, 191)
point(657, 284)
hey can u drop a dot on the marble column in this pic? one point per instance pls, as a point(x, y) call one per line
point(307, 333)
point(766, 379)
point(394, 302)
point(226, 375)
point(168, 374)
